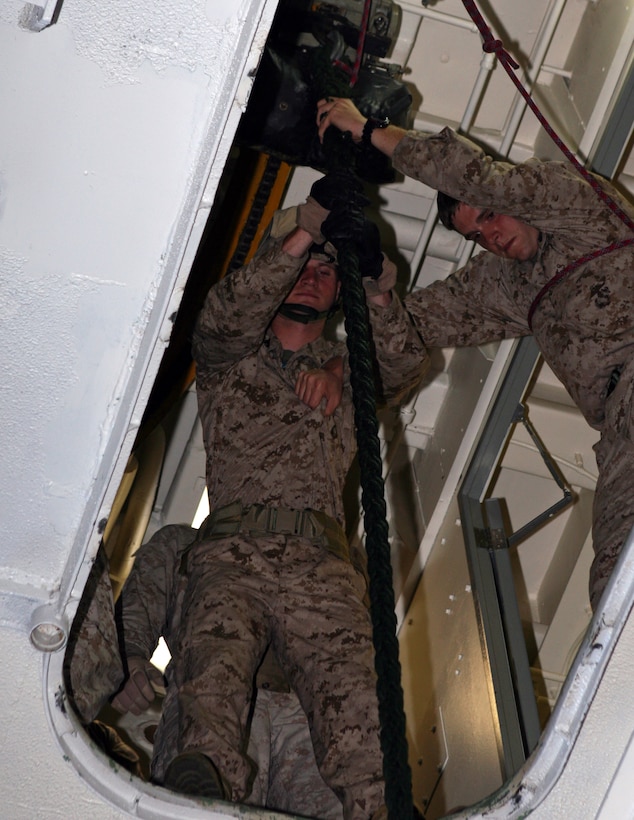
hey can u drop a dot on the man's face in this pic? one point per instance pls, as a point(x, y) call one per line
point(317, 286)
point(502, 235)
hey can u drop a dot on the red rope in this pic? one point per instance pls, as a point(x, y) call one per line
point(615, 246)
point(354, 71)
point(491, 45)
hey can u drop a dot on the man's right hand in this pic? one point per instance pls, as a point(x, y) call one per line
point(343, 114)
point(337, 189)
point(138, 692)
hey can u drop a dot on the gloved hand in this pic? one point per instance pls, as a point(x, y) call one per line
point(335, 189)
point(344, 225)
point(384, 283)
point(140, 689)
point(310, 217)
point(340, 187)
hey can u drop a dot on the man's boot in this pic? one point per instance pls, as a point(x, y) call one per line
point(193, 773)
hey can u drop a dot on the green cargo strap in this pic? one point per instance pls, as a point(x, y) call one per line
point(260, 519)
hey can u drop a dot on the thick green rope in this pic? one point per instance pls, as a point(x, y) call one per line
point(396, 769)
point(341, 153)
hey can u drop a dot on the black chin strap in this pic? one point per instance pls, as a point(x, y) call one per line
point(302, 313)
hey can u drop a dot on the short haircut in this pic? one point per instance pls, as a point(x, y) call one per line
point(324, 252)
point(447, 207)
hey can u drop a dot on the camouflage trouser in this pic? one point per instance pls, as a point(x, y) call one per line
point(613, 514)
point(92, 665)
point(279, 739)
point(287, 779)
point(244, 592)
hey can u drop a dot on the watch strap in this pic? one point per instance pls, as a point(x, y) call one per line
point(370, 124)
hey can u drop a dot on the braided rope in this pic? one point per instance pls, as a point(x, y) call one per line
point(396, 770)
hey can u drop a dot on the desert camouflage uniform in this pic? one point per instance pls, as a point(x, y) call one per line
point(264, 446)
point(92, 664)
point(287, 777)
point(584, 326)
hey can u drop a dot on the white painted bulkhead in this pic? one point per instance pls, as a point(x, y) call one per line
point(117, 121)
point(120, 123)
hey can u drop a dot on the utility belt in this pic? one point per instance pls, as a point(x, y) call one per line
point(260, 519)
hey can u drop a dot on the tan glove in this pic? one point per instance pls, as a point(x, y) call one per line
point(144, 682)
point(339, 189)
point(310, 216)
point(283, 222)
point(385, 282)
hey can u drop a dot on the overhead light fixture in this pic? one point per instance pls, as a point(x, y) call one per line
point(48, 630)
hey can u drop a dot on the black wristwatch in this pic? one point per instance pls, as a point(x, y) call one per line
point(370, 125)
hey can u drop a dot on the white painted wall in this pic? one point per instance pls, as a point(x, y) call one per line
point(37, 783)
point(111, 124)
point(116, 123)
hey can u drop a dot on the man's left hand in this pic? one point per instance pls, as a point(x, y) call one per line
point(139, 690)
point(314, 387)
point(339, 188)
point(343, 226)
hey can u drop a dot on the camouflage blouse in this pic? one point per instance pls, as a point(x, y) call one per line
point(263, 444)
point(584, 326)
